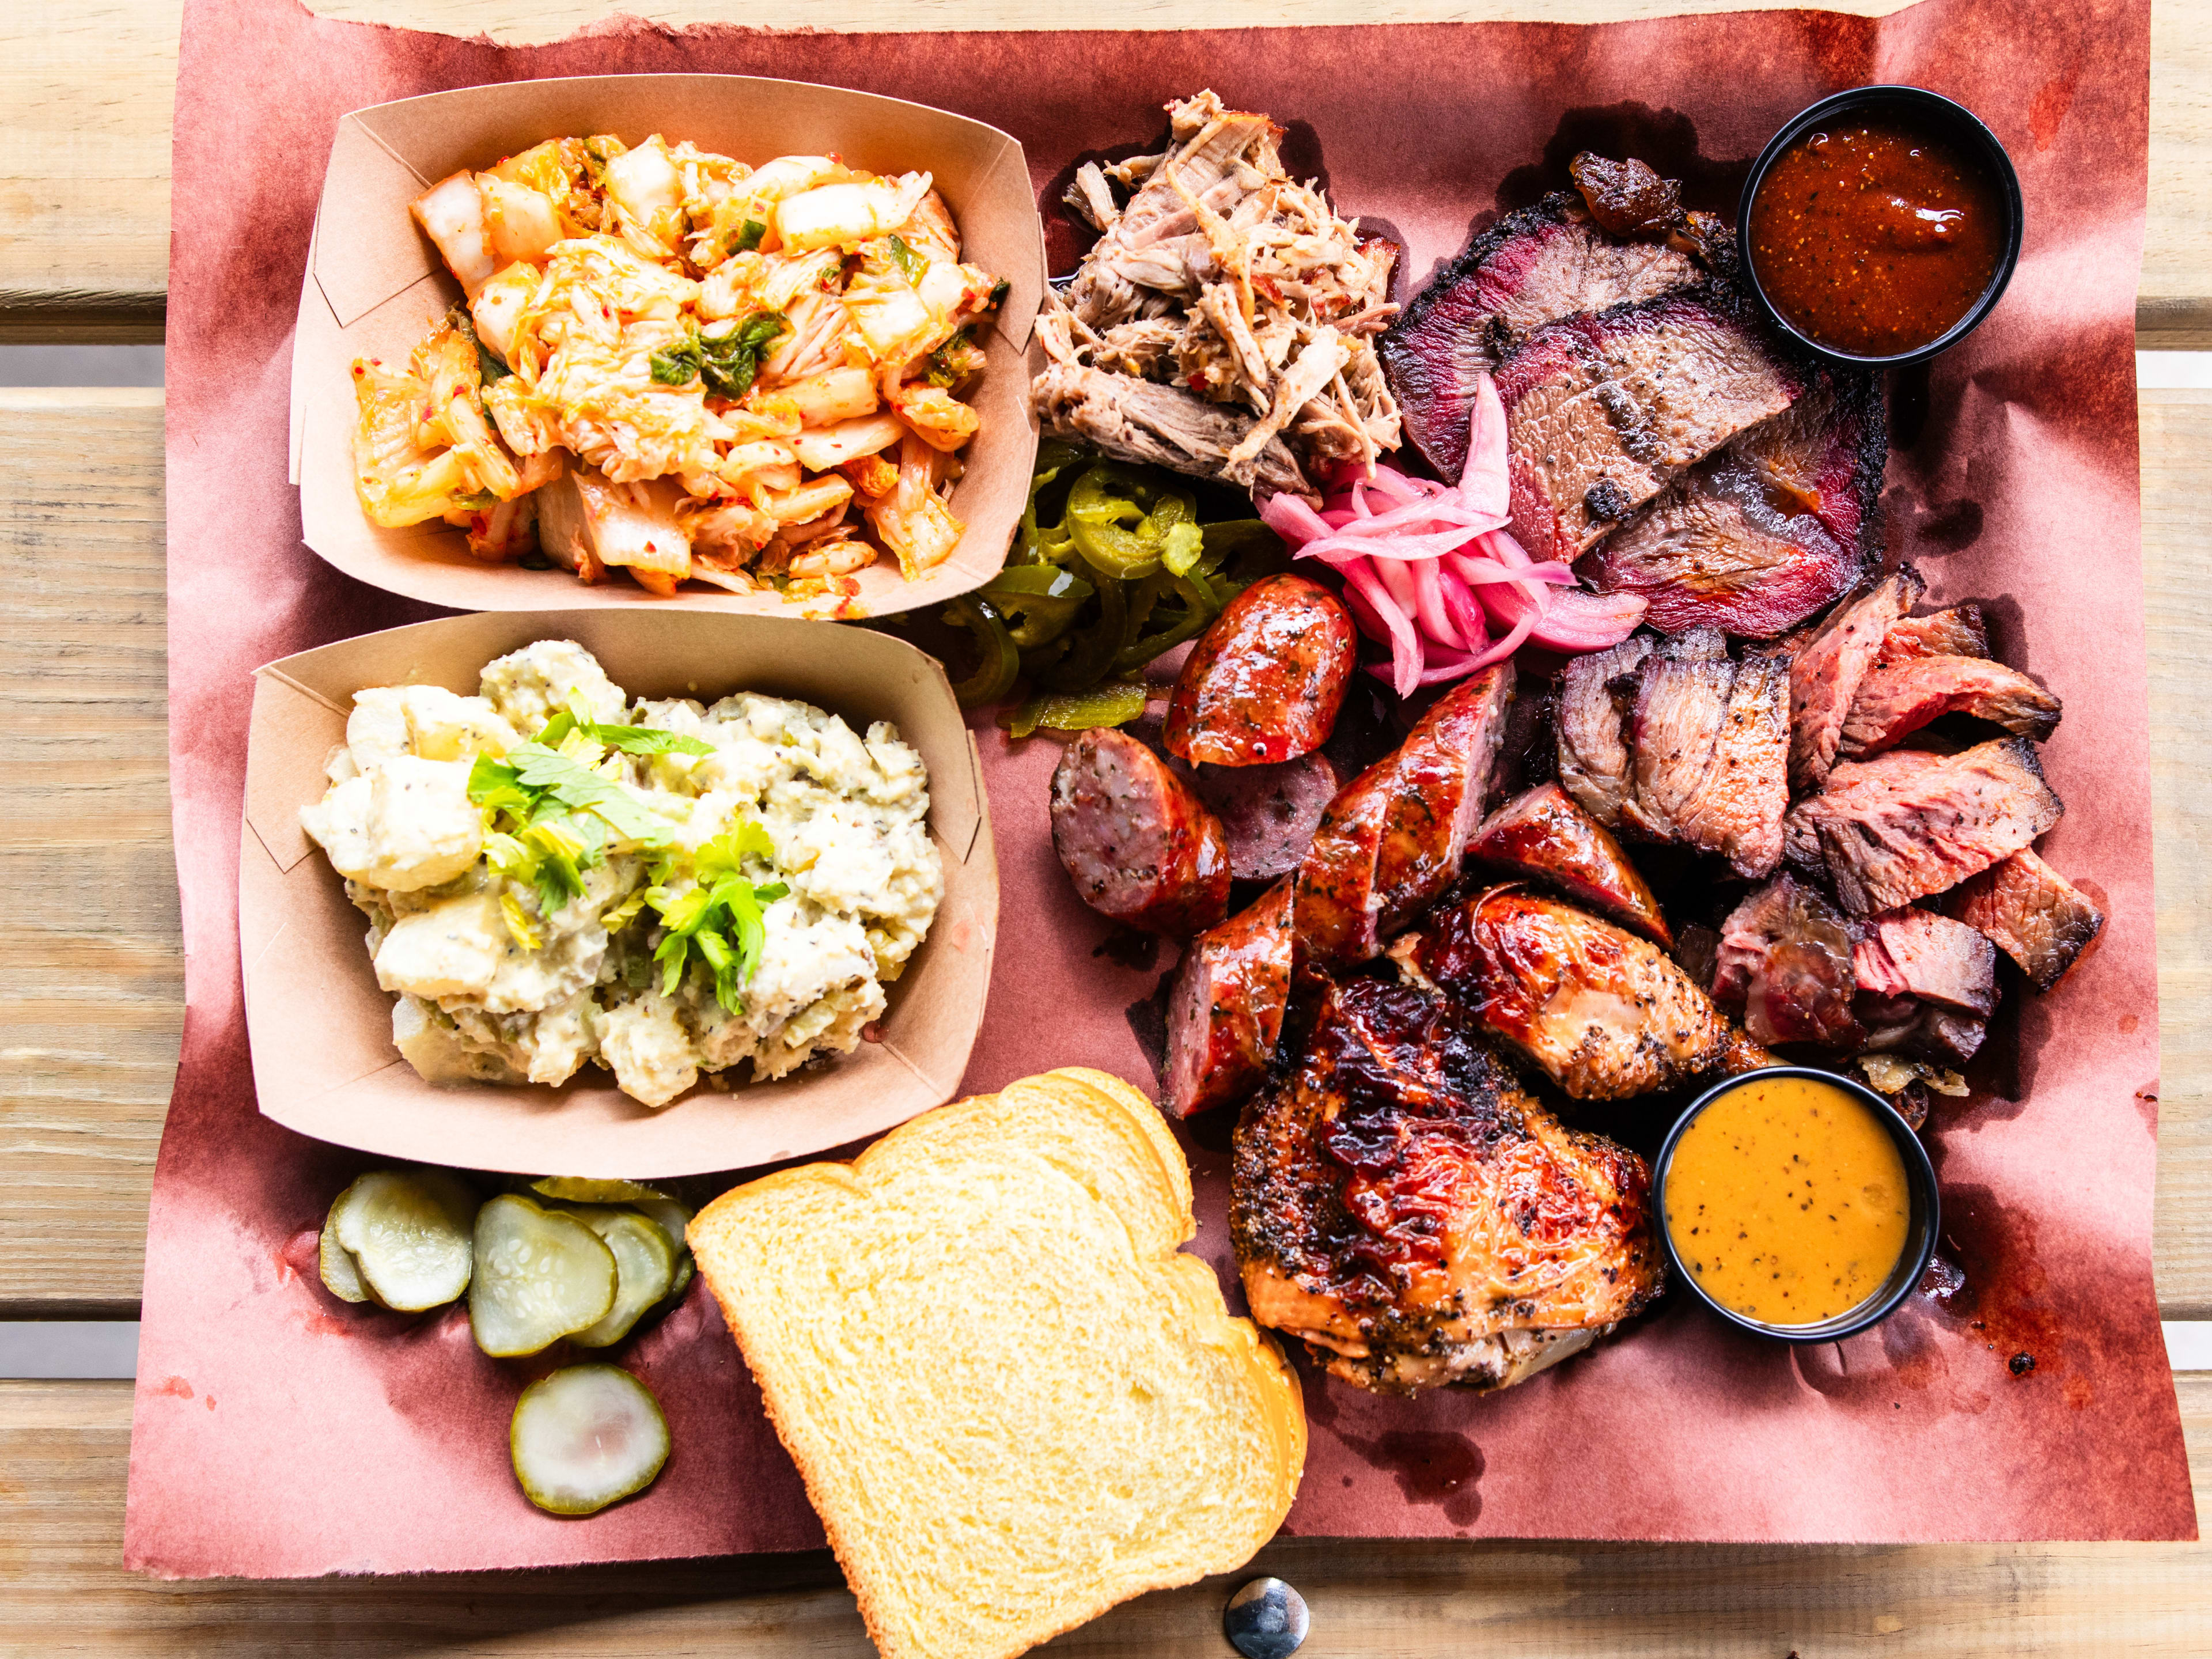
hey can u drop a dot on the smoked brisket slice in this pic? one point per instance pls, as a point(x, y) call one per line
point(1603, 411)
point(1595, 695)
point(1530, 268)
point(1710, 740)
point(2032, 914)
point(1960, 631)
point(1785, 964)
point(1917, 953)
point(1911, 822)
point(1895, 701)
point(1766, 531)
point(1825, 674)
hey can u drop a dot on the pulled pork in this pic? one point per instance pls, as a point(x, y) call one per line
point(1225, 284)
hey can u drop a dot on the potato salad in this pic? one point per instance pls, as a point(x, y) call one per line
point(556, 876)
point(674, 364)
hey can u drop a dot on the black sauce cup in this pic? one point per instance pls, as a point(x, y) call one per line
point(1940, 117)
point(1920, 1227)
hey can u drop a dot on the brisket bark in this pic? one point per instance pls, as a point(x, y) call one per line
point(1530, 268)
point(1604, 410)
point(2032, 914)
point(1768, 530)
point(1910, 823)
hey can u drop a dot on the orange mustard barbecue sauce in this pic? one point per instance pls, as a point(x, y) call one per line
point(1873, 239)
point(1787, 1200)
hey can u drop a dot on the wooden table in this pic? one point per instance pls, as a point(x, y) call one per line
point(90, 989)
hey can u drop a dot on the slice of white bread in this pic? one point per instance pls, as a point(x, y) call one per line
point(1015, 1403)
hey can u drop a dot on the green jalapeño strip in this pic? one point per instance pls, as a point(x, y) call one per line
point(1113, 565)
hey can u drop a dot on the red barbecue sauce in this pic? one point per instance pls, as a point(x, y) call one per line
point(1873, 239)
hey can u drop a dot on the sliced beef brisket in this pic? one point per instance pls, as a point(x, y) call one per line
point(1766, 531)
point(1595, 695)
point(1825, 675)
point(1917, 953)
point(1911, 822)
point(1604, 410)
point(2032, 914)
point(1711, 741)
point(1895, 701)
point(1784, 963)
point(1530, 268)
point(1960, 631)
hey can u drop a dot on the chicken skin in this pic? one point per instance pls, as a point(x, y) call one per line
point(1604, 1014)
point(1398, 1202)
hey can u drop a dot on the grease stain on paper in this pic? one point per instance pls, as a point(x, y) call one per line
point(1125, 947)
point(2047, 109)
point(2003, 1301)
point(1438, 1468)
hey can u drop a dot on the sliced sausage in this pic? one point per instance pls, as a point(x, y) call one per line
point(1139, 845)
point(1264, 683)
point(1225, 1012)
point(1393, 838)
point(1268, 812)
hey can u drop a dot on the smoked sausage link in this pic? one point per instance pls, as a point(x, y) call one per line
point(1139, 845)
point(1393, 838)
point(1269, 813)
point(1225, 1012)
point(1265, 681)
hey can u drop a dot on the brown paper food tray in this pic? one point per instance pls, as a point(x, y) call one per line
point(375, 285)
point(321, 1031)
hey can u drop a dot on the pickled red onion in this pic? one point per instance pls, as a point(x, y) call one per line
point(1427, 568)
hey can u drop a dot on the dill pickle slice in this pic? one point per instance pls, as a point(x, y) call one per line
point(341, 1273)
point(578, 1190)
point(680, 1283)
point(407, 1232)
point(674, 1218)
point(587, 1437)
point(644, 1265)
point(541, 1275)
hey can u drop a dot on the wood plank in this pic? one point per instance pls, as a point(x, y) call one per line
point(2177, 471)
point(64, 1449)
point(85, 97)
point(92, 1001)
point(86, 90)
point(2173, 302)
point(90, 917)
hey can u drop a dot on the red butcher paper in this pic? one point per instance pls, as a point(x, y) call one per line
point(343, 1439)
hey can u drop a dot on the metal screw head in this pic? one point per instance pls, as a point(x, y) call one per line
point(1266, 1619)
